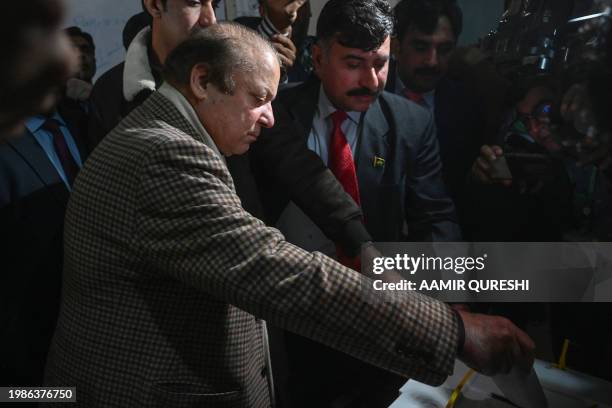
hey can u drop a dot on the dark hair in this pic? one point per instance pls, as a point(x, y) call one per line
point(215, 4)
point(75, 31)
point(363, 24)
point(424, 15)
point(225, 47)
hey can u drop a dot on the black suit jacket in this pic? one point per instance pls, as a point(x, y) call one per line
point(460, 127)
point(33, 200)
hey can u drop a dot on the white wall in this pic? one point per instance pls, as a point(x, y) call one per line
point(104, 20)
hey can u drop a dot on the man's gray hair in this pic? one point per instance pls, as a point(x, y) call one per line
point(225, 48)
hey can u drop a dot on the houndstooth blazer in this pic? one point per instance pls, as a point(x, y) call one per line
point(166, 278)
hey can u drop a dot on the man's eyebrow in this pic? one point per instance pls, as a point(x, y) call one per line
point(360, 58)
point(353, 56)
point(264, 92)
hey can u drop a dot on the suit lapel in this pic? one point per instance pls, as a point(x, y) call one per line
point(35, 157)
point(373, 147)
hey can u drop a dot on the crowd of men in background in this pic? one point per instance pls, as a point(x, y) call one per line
point(376, 134)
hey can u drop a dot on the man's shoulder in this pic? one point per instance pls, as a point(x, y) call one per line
point(7, 147)
point(292, 89)
point(110, 80)
point(107, 93)
point(154, 122)
point(297, 93)
point(403, 111)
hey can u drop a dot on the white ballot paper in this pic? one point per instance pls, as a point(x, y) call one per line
point(559, 389)
point(523, 389)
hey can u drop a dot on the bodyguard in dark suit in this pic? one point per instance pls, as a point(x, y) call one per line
point(383, 150)
point(426, 35)
point(37, 169)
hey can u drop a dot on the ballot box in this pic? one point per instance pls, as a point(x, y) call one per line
point(561, 389)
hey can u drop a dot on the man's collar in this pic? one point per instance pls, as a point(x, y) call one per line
point(137, 73)
point(326, 108)
point(34, 123)
point(184, 107)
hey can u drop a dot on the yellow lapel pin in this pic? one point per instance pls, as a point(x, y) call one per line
point(378, 162)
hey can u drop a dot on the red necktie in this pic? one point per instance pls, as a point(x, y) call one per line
point(414, 97)
point(341, 158)
point(341, 163)
point(61, 148)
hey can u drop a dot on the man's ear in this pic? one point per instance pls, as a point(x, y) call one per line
point(395, 47)
point(153, 7)
point(198, 82)
point(317, 57)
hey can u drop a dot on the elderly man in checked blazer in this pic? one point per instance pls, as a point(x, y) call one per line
point(167, 278)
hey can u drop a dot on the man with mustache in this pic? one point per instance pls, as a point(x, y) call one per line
point(383, 150)
point(426, 35)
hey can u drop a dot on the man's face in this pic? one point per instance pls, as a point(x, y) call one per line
point(37, 70)
point(352, 78)
point(87, 58)
point(181, 17)
point(423, 58)
point(235, 121)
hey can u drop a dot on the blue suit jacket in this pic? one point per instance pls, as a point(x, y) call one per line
point(33, 200)
point(407, 188)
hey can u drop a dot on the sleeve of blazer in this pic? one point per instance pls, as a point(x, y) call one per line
point(283, 161)
point(190, 225)
point(430, 212)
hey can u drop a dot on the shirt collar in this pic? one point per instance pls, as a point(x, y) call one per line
point(184, 107)
point(34, 123)
point(326, 108)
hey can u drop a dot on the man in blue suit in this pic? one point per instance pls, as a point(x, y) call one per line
point(383, 150)
point(37, 170)
point(426, 35)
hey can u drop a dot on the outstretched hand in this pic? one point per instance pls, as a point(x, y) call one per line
point(494, 345)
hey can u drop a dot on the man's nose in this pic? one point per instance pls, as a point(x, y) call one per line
point(267, 117)
point(432, 58)
point(369, 79)
point(207, 15)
